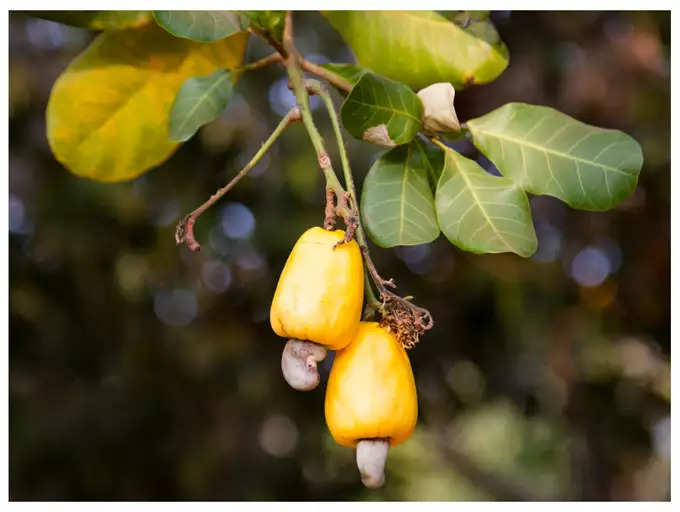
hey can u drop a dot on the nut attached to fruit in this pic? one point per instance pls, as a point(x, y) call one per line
point(371, 458)
point(299, 364)
point(317, 302)
point(371, 400)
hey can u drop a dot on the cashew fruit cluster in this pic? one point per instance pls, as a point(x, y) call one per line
point(371, 402)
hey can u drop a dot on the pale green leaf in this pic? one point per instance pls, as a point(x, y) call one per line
point(200, 100)
point(547, 152)
point(482, 213)
point(420, 48)
point(107, 116)
point(96, 20)
point(382, 111)
point(203, 26)
point(397, 203)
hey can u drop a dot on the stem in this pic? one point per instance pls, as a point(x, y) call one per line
point(331, 78)
point(372, 302)
point(291, 62)
point(263, 62)
point(184, 233)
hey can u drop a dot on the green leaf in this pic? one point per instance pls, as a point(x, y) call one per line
point(382, 111)
point(96, 20)
point(419, 48)
point(348, 72)
point(479, 212)
point(203, 26)
point(397, 203)
point(547, 152)
point(200, 100)
point(107, 116)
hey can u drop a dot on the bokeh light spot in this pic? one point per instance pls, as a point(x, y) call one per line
point(176, 307)
point(249, 259)
point(216, 276)
point(416, 257)
point(45, 34)
point(661, 435)
point(590, 267)
point(237, 221)
point(18, 221)
point(278, 436)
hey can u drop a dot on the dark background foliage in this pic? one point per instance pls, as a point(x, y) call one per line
point(141, 371)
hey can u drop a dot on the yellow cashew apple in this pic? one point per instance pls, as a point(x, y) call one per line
point(371, 392)
point(320, 293)
point(371, 401)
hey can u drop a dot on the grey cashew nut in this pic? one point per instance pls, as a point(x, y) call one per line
point(371, 458)
point(299, 364)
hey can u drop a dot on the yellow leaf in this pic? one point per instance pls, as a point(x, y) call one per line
point(107, 117)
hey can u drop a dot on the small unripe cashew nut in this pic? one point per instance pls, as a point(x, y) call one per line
point(371, 458)
point(298, 364)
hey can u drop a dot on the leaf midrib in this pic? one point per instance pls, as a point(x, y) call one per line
point(480, 205)
point(380, 107)
point(568, 156)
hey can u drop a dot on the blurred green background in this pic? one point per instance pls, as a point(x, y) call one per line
point(141, 371)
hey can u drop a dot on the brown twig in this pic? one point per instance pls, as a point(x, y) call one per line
point(329, 212)
point(351, 218)
point(398, 314)
point(331, 78)
point(380, 283)
point(263, 62)
point(184, 233)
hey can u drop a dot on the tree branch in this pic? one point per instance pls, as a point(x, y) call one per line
point(261, 63)
point(184, 233)
point(331, 78)
point(292, 64)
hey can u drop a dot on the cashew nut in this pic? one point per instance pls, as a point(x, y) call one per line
point(298, 364)
point(371, 458)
